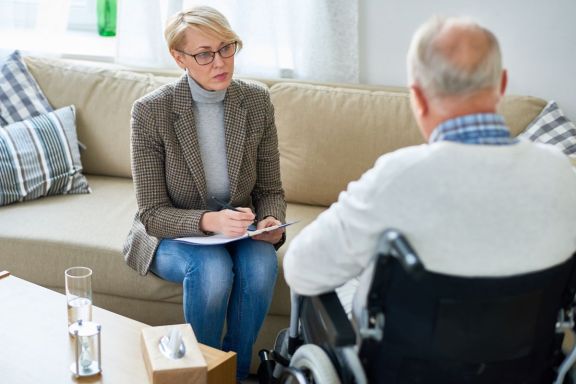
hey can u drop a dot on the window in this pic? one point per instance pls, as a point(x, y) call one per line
point(300, 39)
point(82, 16)
point(67, 28)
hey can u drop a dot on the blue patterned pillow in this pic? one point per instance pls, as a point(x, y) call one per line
point(40, 157)
point(551, 126)
point(20, 95)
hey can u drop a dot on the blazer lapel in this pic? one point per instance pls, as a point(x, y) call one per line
point(185, 130)
point(234, 123)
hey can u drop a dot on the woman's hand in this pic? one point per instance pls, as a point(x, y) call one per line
point(271, 237)
point(228, 222)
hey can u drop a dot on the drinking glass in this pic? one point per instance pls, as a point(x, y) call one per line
point(79, 294)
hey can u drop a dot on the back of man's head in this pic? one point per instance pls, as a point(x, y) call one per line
point(454, 57)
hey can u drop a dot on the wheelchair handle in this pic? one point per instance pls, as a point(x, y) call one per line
point(395, 244)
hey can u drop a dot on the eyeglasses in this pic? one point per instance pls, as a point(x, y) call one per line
point(205, 58)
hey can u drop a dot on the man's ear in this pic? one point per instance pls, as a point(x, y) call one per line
point(503, 82)
point(419, 101)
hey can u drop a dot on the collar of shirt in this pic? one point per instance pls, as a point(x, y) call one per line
point(480, 128)
point(201, 95)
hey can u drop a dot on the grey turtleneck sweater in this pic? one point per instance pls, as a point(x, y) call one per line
point(208, 108)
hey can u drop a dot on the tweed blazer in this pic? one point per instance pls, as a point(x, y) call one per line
point(167, 166)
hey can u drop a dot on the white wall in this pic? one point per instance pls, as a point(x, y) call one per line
point(537, 38)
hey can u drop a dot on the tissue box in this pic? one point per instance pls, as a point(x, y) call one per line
point(221, 365)
point(190, 369)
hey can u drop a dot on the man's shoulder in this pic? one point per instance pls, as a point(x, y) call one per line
point(548, 156)
point(395, 166)
point(405, 157)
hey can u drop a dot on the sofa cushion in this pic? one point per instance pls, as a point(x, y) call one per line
point(519, 111)
point(551, 126)
point(40, 157)
point(58, 232)
point(103, 98)
point(345, 130)
point(20, 96)
point(342, 130)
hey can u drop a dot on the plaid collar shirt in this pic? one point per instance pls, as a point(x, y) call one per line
point(480, 128)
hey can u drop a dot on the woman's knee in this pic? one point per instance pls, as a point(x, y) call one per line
point(170, 260)
point(212, 265)
point(257, 264)
point(207, 287)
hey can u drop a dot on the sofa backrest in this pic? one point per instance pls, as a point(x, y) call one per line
point(103, 98)
point(329, 134)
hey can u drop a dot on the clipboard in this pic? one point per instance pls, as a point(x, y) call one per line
point(220, 238)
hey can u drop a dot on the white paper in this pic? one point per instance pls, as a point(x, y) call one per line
point(220, 238)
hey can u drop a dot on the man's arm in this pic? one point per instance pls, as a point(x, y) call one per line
point(342, 241)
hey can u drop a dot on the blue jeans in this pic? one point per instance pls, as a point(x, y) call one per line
point(234, 281)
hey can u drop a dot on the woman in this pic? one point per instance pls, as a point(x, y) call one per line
point(201, 140)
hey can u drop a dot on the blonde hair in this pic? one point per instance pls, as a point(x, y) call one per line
point(208, 19)
point(439, 75)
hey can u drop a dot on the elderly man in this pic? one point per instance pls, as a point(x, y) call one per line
point(473, 201)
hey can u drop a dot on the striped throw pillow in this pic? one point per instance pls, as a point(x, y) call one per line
point(40, 157)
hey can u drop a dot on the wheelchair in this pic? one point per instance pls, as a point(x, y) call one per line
point(424, 327)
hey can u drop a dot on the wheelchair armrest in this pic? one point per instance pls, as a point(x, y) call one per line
point(324, 321)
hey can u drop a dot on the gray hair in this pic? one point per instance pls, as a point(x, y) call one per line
point(440, 76)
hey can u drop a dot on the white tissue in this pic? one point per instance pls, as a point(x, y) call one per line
point(171, 345)
point(175, 339)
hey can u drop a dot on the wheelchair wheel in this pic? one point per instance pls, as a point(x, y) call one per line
point(315, 364)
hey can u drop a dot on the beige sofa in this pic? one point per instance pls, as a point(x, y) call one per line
point(328, 136)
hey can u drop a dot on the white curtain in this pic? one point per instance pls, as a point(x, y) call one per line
point(32, 25)
point(140, 32)
point(301, 39)
point(46, 16)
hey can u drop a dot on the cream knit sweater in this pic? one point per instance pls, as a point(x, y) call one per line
point(472, 210)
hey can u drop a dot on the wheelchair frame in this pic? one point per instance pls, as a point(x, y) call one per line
point(321, 321)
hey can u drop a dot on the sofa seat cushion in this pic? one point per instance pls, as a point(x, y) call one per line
point(41, 238)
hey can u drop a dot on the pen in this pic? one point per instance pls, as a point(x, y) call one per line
point(224, 205)
point(227, 206)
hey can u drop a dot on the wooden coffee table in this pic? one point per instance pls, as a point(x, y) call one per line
point(35, 346)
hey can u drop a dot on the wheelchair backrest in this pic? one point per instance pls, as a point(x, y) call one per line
point(442, 329)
